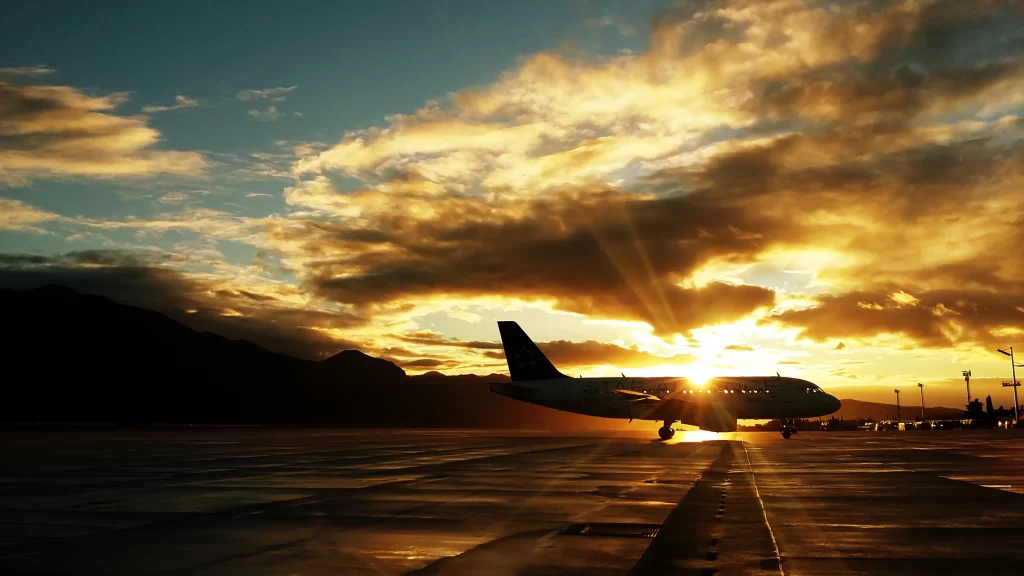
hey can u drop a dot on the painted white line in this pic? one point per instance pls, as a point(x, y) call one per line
point(775, 543)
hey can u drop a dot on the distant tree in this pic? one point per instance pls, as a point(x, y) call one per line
point(975, 409)
point(988, 405)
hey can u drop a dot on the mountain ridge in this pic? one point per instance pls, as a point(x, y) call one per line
point(87, 358)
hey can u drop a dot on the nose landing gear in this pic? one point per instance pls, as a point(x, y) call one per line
point(666, 432)
point(788, 427)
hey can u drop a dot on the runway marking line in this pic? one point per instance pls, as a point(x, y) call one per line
point(753, 480)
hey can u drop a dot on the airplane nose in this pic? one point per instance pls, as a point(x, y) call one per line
point(834, 404)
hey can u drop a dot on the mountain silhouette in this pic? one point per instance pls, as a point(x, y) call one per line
point(72, 357)
point(355, 364)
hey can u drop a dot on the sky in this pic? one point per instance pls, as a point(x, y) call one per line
point(830, 190)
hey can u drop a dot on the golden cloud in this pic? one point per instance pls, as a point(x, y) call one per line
point(936, 319)
point(59, 131)
point(563, 353)
point(16, 215)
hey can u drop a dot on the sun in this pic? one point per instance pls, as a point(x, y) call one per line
point(698, 374)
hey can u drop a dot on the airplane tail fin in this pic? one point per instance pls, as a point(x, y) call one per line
point(525, 360)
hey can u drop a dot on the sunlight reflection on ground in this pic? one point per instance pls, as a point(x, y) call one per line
point(695, 436)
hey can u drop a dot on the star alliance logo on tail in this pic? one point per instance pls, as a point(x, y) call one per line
point(525, 358)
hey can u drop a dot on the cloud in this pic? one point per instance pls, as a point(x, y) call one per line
point(935, 319)
point(608, 257)
point(427, 338)
point(17, 216)
point(427, 363)
point(611, 21)
point(632, 187)
point(175, 197)
point(563, 353)
point(55, 131)
point(271, 114)
point(179, 103)
point(273, 94)
point(739, 348)
point(257, 195)
point(208, 225)
point(567, 354)
point(273, 315)
point(557, 120)
point(29, 71)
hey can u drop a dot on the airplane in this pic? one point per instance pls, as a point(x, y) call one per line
point(713, 406)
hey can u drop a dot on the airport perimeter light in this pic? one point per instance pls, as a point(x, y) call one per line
point(1013, 383)
point(967, 379)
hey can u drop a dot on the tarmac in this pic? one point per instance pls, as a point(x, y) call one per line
point(439, 502)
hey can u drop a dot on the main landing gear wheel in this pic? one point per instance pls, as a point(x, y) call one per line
point(666, 432)
point(788, 428)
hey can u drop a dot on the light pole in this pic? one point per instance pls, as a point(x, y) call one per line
point(921, 386)
point(967, 379)
point(1013, 383)
point(898, 419)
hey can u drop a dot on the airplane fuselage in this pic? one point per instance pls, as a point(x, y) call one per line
point(715, 405)
point(720, 400)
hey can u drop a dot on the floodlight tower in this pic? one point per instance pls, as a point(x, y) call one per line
point(898, 419)
point(921, 386)
point(1013, 383)
point(967, 379)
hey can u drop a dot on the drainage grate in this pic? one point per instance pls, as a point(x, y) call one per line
point(613, 530)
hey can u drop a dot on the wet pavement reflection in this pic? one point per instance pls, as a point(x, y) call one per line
point(303, 502)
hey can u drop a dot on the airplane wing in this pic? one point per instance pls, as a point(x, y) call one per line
point(638, 397)
point(654, 407)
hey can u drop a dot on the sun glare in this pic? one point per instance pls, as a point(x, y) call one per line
point(696, 435)
point(698, 374)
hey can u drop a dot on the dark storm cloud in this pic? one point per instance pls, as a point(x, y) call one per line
point(135, 279)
